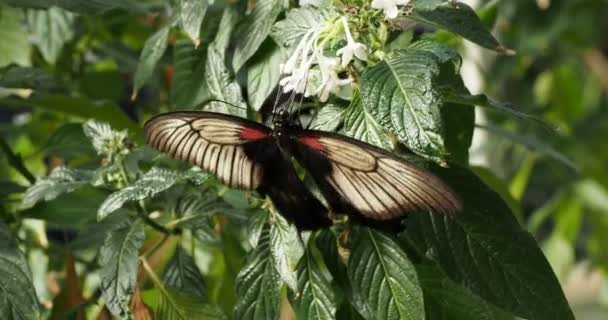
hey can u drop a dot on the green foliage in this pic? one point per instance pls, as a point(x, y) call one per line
point(76, 181)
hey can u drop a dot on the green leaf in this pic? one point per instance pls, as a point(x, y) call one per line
point(254, 30)
point(79, 6)
point(18, 299)
point(222, 86)
point(297, 22)
point(229, 19)
point(456, 17)
point(445, 299)
point(153, 182)
point(316, 298)
point(328, 247)
point(22, 77)
point(258, 284)
point(286, 249)
point(361, 125)
point(400, 94)
point(263, 73)
point(174, 305)
point(118, 261)
point(485, 250)
point(381, 272)
point(69, 142)
point(92, 234)
point(191, 14)
point(153, 50)
point(83, 108)
point(61, 180)
point(189, 81)
point(14, 46)
point(329, 118)
point(50, 30)
point(182, 274)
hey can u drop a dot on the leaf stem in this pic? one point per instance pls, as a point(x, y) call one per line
point(16, 162)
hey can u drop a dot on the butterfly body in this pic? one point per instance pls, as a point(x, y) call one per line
point(367, 183)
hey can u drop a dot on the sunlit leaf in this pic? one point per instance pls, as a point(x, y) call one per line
point(222, 86)
point(361, 125)
point(191, 14)
point(297, 22)
point(18, 300)
point(14, 47)
point(329, 118)
point(286, 250)
point(399, 93)
point(118, 261)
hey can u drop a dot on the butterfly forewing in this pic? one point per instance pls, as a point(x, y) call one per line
point(361, 179)
point(220, 144)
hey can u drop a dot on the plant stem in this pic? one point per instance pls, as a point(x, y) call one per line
point(16, 162)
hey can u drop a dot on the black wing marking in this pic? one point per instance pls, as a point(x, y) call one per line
point(220, 144)
point(358, 178)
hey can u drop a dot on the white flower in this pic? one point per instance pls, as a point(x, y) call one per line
point(389, 7)
point(330, 81)
point(352, 48)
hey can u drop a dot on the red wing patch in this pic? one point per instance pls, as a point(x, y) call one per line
point(312, 142)
point(253, 134)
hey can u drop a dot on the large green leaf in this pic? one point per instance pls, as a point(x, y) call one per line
point(182, 274)
point(18, 299)
point(316, 298)
point(84, 108)
point(329, 118)
point(258, 284)
point(23, 77)
point(153, 50)
point(445, 299)
point(118, 261)
point(69, 142)
point(263, 73)
point(485, 250)
point(384, 276)
point(456, 17)
point(61, 180)
point(400, 94)
point(191, 15)
point(49, 30)
point(14, 46)
point(79, 6)
point(254, 30)
point(361, 125)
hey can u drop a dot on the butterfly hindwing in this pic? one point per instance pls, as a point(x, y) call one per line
point(230, 148)
point(368, 182)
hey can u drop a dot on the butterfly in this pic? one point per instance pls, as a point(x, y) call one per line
point(367, 183)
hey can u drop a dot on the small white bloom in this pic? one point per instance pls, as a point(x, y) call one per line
point(389, 7)
point(352, 48)
point(330, 81)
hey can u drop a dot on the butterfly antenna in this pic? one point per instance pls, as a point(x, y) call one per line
point(207, 102)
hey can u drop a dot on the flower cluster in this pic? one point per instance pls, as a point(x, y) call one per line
point(308, 64)
point(389, 6)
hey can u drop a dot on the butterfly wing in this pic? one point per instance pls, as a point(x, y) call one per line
point(241, 154)
point(223, 145)
point(367, 182)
